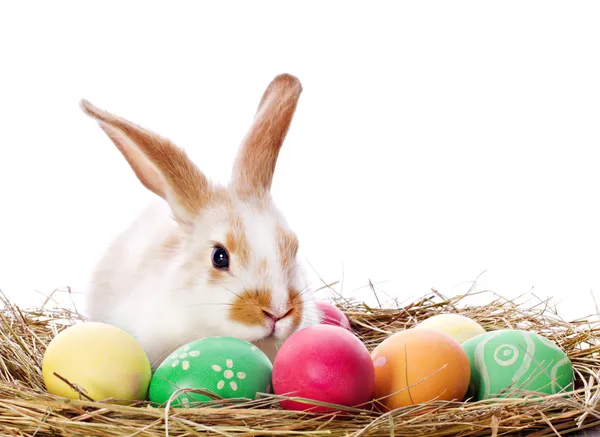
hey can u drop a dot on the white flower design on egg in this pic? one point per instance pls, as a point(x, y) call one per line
point(228, 374)
point(181, 358)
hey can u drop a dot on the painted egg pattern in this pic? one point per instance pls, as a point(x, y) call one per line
point(514, 360)
point(226, 366)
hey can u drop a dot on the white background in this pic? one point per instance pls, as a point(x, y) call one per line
point(433, 140)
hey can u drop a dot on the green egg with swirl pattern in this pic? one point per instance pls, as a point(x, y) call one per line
point(511, 362)
point(226, 366)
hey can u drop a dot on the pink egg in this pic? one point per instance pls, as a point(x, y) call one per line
point(332, 315)
point(323, 363)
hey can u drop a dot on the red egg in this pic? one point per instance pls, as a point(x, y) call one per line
point(323, 363)
point(332, 315)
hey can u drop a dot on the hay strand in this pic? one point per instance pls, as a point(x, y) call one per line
point(26, 408)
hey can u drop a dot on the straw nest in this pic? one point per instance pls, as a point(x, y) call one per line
point(26, 408)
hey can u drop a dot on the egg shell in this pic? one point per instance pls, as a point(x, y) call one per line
point(457, 326)
point(516, 359)
point(323, 363)
point(332, 315)
point(226, 366)
point(419, 365)
point(102, 360)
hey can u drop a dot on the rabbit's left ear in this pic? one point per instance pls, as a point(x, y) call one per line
point(255, 163)
point(161, 166)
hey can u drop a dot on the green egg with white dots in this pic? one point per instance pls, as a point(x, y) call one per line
point(226, 366)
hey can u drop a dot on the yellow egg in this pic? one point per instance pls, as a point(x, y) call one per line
point(459, 327)
point(102, 360)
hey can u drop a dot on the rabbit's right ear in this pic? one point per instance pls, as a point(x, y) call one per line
point(161, 167)
point(255, 162)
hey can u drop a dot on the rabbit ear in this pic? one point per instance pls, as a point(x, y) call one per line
point(256, 159)
point(161, 167)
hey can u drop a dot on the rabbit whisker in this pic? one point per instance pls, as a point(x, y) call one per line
point(212, 281)
point(208, 304)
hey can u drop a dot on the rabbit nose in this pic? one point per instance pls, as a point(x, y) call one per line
point(270, 315)
point(276, 316)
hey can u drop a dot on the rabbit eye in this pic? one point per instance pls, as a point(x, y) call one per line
point(220, 258)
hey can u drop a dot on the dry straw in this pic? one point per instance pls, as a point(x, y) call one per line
point(27, 410)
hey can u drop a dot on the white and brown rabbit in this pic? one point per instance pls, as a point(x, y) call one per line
point(204, 260)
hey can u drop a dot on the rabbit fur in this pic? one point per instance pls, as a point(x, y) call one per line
point(158, 279)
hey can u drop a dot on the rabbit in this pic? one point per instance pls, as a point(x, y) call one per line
point(204, 259)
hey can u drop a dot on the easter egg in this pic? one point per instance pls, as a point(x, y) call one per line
point(226, 366)
point(459, 327)
point(419, 365)
point(514, 359)
point(323, 363)
point(101, 360)
point(332, 315)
